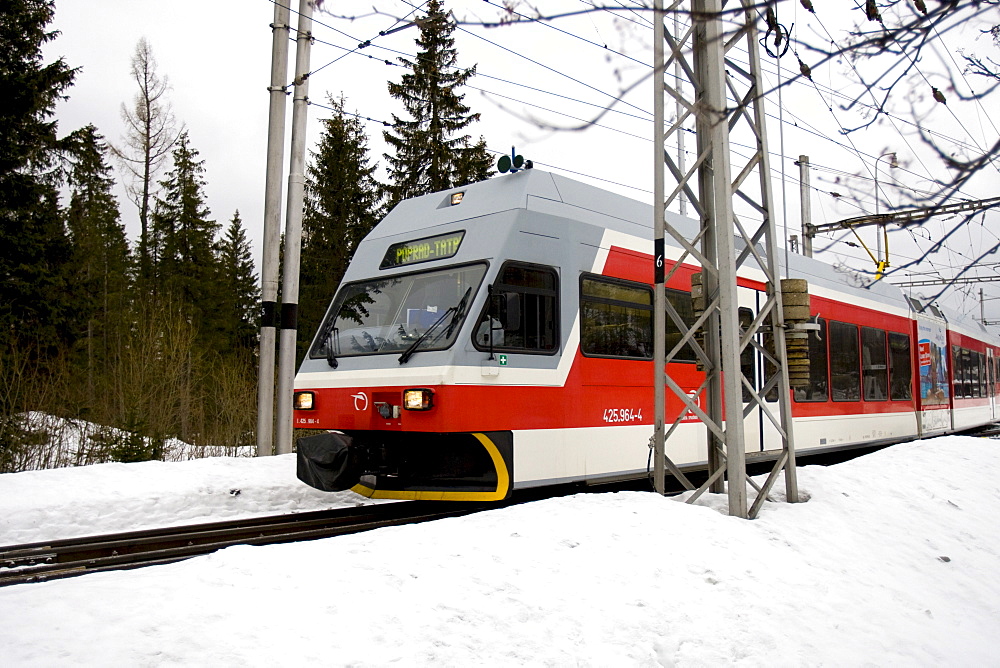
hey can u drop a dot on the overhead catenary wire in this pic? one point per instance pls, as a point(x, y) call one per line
point(573, 35)
point(549, 110)
point(570, 34)
point(393, 64)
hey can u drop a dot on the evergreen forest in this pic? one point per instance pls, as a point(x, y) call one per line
point(119, 349)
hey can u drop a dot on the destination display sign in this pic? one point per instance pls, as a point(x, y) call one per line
point(422, 250)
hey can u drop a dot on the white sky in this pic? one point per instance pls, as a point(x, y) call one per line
point(217, 58)
point(893, 560)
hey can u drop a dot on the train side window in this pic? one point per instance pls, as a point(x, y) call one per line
point(616, 318)
point(874, 366)
point(968, 375)
point(977, 374)
point(957, 371)
point(818, 388)
point(983, 380)
point(748, 355)
point(900, 368)
point(524, 313)
point(991, 379)
point(845, 362)
point(681, 301)
point(972, 375)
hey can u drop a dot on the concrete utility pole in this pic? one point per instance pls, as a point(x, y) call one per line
point(272, 229)
point(717, 336)
point(293, 231)
point(805, 205)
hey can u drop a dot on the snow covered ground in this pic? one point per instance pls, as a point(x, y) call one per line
point(107, 498)
point(894, 560)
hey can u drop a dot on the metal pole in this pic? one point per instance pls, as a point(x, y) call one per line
point(723, 328)
point(659, 294)
point(805, 205)
point(880, 228)
point(777, 319)
point(272, 229)
point(679, 83)
point(718, 336)
point(717, 180)
point(293, 231)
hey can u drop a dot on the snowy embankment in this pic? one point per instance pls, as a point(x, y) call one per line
point(894, 560)
point(107, 498)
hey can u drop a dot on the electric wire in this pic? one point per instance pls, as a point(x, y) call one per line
point(553, 111)
point(736, 144)
point(811, 131)
point(570, 34)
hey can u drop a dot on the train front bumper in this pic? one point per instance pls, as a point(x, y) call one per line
point(473, 466)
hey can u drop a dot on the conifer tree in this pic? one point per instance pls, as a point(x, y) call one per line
point(240, 293)
point(34, 247)
point(185, 265)
point(431, 153)
point(342, 205)
point(100, 253)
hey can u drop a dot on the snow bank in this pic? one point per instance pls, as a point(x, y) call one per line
point(894, 560)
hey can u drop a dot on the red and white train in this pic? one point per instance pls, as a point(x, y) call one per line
point(499, 336)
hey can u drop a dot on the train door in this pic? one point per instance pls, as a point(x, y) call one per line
point(934, 399)
point(759, 432)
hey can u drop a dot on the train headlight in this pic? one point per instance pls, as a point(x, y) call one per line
point(418, 399)
point(304, 401)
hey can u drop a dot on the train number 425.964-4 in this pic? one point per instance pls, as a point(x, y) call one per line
point(622, 415)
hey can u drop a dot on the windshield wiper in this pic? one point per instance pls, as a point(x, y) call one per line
point(331, 337)
point(455, 312)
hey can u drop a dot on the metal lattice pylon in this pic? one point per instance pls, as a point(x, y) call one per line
point(726, 97)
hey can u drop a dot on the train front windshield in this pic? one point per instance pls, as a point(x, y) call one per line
point(402, 314)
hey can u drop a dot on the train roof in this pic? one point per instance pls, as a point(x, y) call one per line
point(549, 194)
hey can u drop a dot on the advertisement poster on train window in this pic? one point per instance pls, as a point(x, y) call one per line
point(933, 349)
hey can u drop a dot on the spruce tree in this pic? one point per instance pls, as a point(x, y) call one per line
point(431, 154)
point(185, 264)
point(34, 247)
point(342, 206)
point(100, 254)
point(240, 293)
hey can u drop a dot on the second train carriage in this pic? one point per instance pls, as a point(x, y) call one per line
point(499, 336)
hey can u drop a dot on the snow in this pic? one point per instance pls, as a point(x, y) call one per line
point(107, 498)
point(893, 560)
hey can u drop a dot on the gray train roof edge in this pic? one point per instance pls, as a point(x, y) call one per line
point(539, 217)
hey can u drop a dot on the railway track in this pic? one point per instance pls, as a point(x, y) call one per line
point(38, 562)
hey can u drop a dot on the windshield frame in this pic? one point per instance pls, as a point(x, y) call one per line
point(396, 337)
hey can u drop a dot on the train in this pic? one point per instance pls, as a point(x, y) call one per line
point(498, 337)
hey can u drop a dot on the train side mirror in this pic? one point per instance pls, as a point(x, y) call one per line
point(505, 308)
point(511, 310)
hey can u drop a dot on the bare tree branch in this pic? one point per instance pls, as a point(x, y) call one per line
point(150, 135)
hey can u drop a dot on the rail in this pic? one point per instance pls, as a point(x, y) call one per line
point(50, 560)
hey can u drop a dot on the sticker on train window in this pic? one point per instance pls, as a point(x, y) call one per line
point(422, 250)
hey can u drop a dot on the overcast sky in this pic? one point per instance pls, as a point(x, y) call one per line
point(217, 58)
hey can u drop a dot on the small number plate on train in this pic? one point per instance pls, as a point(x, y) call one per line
point(622, 414)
